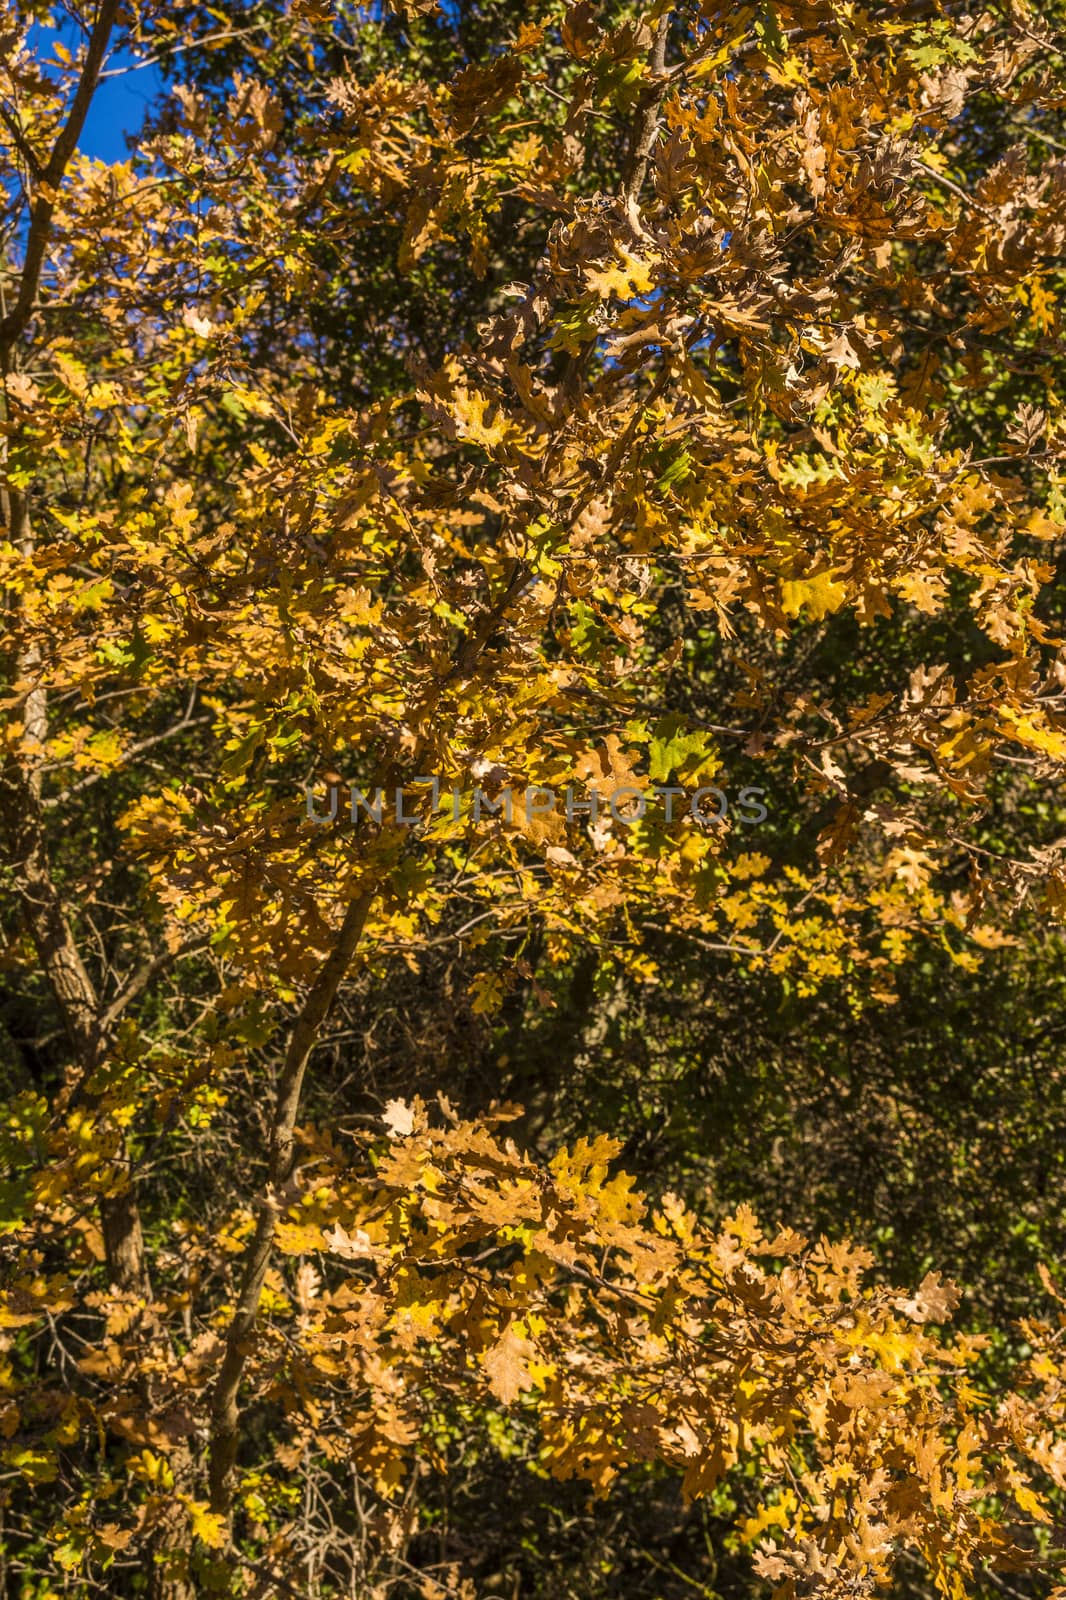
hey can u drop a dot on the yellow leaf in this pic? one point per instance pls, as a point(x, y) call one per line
point(781, 1515)
point(633, 277)
point(507, 1365)
point(207, 1525)
point(1028, 732)
point(818, 595)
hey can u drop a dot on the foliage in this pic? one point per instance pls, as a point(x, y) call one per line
point(592, 398)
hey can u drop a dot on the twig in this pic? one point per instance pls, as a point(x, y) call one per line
point(144, 976)
point(133, 750)
point(954, 188)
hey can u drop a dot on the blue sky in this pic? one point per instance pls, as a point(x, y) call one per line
point(121, 97)
point(118, 108)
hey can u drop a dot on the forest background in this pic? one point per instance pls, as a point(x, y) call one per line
point(598, 395)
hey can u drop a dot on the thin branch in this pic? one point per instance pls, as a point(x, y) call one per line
point(180, 49)
point(134, 750)
point(708, 944)
point(952, 188)
point(225, 1415)
point(145, 975)
point(22, 144)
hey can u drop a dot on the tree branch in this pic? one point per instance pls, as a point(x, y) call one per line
point(144, 975)
point(647, 124)
point(133, 750)
point(225, 1415)
point(52, 176)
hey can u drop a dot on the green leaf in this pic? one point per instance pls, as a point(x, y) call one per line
point(671, 748)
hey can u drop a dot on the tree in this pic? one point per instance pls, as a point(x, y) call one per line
point(711, 433)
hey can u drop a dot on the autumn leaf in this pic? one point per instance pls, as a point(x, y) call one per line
point(933, 1300)
point(819, 595)
point(507, 1365)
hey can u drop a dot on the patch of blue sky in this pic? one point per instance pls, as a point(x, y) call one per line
point(119, 108)
point(644, 302)
point(123, 95)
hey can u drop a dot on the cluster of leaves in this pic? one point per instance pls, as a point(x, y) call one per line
point(441, 1263)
